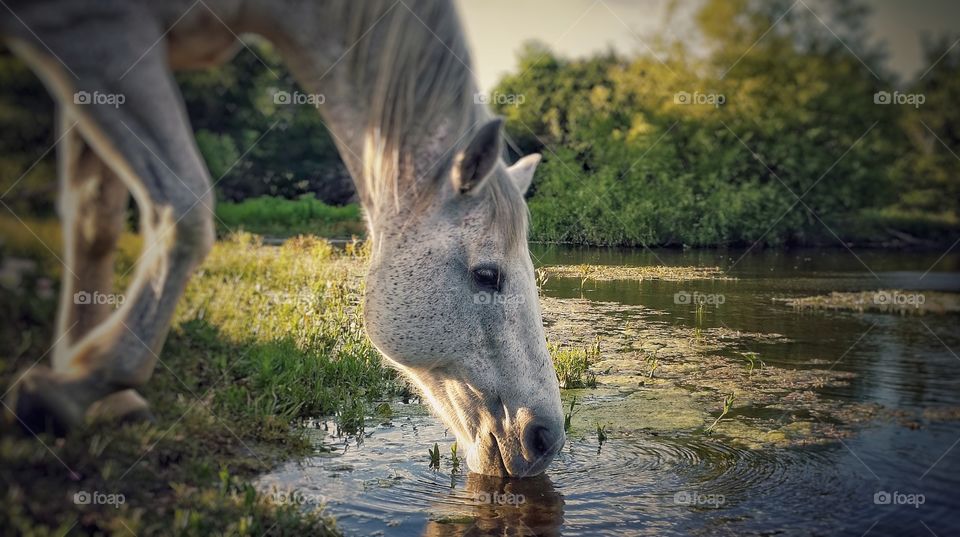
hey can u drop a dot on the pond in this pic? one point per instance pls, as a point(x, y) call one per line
point(845, 422)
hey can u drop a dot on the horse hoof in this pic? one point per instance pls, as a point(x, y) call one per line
point(120, 408)
point(36, 405)
point(141, 415)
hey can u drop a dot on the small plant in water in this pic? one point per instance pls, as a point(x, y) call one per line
point(752, 360)
point(727, 406)
point(584, 272)
point(573, 365)
point(653, 363)
point(455, 458)
point(350, 418)
point(569, 416)
point(434, 456)
point(698, 330)
point(542, 278)
point(601, 433)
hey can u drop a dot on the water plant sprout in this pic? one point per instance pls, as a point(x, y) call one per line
point(752, 360)
point(727, 406)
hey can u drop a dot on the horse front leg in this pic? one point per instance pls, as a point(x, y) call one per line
point(147, 143)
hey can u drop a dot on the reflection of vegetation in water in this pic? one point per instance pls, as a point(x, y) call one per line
point(882, 300)
point(573, 364)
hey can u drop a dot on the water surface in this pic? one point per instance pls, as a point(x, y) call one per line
point(897, 474)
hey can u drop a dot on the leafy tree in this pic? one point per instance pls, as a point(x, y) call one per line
point(784, 142)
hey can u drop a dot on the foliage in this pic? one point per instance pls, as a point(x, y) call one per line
point(434, 456)
point(27, 166)
point(276, 216)
point(253, 145)
point(791, 146)
point(573, 365)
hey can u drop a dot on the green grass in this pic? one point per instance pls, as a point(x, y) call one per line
point(284, 218)
point(263, 338)
point(573, 365)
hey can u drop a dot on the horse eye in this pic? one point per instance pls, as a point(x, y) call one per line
point(487, 277)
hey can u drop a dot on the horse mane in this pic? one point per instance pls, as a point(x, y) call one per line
point(412, 63)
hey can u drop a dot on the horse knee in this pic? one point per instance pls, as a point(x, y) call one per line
point(188, 231)
point(197, 233)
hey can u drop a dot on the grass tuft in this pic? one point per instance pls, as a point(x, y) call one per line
point(263, 339)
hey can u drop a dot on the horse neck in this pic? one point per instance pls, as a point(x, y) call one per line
point(325, 57)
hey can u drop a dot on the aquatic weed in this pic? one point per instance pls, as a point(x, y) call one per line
point(727, 406)
point(752, 360)
point(568, 418)
point(601, 433)
point(573, 365)
point(698, 329)
point(653, 363)
point(584, 273)
point(542, 278)
point(454, 458)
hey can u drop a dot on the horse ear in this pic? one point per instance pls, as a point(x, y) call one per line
point(475, 163)
point(522, 171)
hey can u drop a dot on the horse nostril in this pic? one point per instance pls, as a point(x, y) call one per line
point(544, 441)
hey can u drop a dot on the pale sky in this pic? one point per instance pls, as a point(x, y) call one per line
point(497, 28)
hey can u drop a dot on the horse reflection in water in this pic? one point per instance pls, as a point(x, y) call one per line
point(505, 507)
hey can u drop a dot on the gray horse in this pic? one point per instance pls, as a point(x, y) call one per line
point(451, 298)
